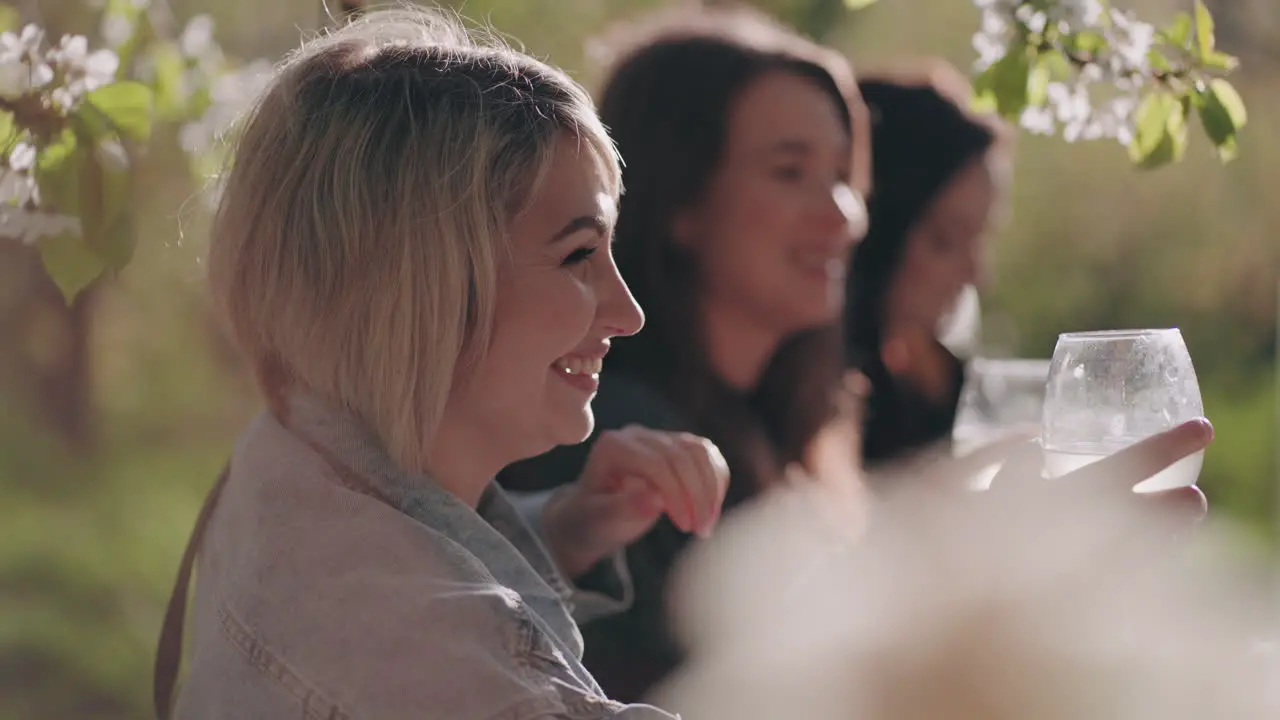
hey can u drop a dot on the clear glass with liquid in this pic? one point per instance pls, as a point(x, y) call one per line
point(1110, 389)
point(1180, 474)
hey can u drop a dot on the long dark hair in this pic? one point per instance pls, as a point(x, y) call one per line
point(921, 138)
point(667, 104)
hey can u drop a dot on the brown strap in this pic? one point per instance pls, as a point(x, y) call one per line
point(169, 649)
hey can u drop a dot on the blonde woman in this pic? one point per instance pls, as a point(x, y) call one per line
point(413, 253)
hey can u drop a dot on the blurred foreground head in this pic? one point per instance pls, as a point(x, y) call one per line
point(991, 608)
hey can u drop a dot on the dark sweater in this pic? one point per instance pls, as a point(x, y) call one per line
point(628, 653)
point(901, 420)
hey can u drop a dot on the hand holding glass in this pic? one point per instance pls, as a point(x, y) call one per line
point(1109, 389)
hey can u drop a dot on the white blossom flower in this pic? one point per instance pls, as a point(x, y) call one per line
point(25, 43)
point(231, 94)
point(22, 67)
point(194, 138)
point(1034, 20)
point(197, 36)
point(1131, 41)
point(71, 50)
point(112, 155)
point(991, 41)
point(1116, 118)
point(116, 29)
point(23, 157)
point(15, 79)
point(82, 71)
point(1072, 108)
point(1038, 120)
point(100, 68)
point(41, 75)
point(1080, 13)
point(29, 226)
point(67, 96)
point(1120, 68)
point(18, 188)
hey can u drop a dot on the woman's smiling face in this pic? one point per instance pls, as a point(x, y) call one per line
point(560, 300)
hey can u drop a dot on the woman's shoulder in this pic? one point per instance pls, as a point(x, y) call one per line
point(285, 507)
point(340, 598)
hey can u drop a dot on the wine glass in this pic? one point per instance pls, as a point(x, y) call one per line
point(1109, 389)
point(999, 396)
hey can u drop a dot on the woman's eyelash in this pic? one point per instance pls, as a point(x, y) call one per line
point(578, 255)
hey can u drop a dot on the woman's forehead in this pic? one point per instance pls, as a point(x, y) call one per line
point(786, 108)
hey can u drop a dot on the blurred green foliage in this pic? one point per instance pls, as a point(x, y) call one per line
point(91, 543)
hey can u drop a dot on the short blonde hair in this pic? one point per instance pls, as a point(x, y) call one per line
point(355, 248)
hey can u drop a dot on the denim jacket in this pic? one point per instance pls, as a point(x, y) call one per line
point(316, 601)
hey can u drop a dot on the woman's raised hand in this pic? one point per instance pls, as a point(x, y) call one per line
point(632, 477)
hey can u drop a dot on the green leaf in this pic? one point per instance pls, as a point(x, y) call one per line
point(1160, 130)
point(120, 241)
point(66, 257)
point(140, 31)
point(70, 263)
point(9, 132)
point(128, 105)
point(1149, 122)
point(127, 8)
point(92, 125)
point(1057, 64)
point(10, 18)
point(1176, 135)
point(104, 193)
point(1222, 114)
point(170, 81)
point(1187, 101)
point(104, 196)
point(983, 103)
point(57, 152)
point(57, 174)
point(108, 231)
point(1226, 95)
point(1158, 61)
point(1204, 29)
point(1086, 42)
point(858, 4)
point(1038, 83)
point(1228, 149)
point(1005, 84)
point(1216, 60)
point(200, 101)
point(1179, 31)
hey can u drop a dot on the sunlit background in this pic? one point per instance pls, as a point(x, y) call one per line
point(116, 414)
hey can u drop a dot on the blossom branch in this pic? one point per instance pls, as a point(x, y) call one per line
point(1090, 71)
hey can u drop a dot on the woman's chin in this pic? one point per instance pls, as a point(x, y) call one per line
point(814, 319)
point(573, 428)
